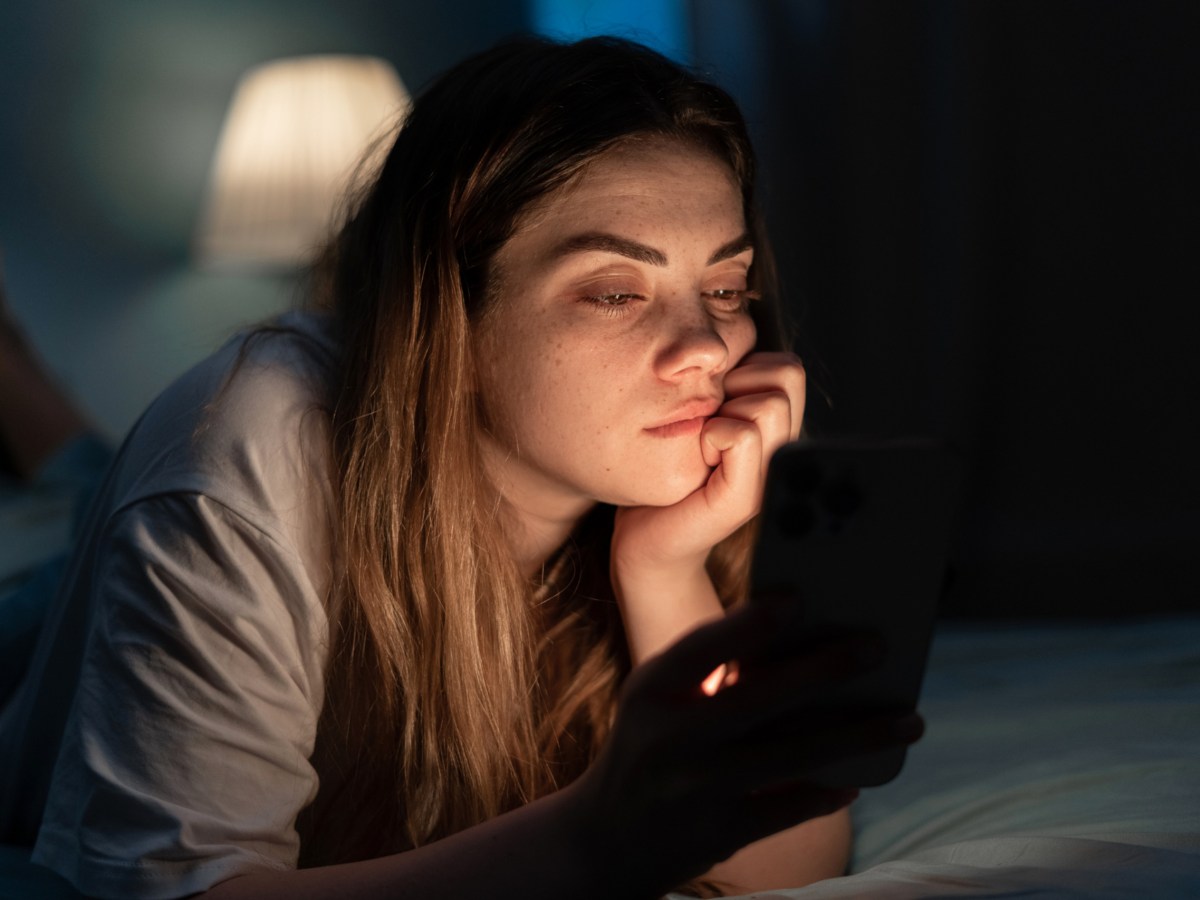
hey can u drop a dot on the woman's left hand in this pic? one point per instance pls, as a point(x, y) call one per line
point(763, 409)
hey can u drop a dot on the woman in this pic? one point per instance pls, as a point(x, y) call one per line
point(360, 593)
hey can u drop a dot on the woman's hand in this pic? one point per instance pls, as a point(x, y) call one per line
point(763, 409)
point(687, 779)
point(659, 553)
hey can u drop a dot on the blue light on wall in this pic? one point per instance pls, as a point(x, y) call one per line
point(661, 24)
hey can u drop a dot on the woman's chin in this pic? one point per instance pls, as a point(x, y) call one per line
point(672, 486)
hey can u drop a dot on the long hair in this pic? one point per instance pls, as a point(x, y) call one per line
point(457, 688)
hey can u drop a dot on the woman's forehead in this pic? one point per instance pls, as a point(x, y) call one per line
point(645, 184)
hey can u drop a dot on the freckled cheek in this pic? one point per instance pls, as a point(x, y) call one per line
point(592, 395)
point(559, 381)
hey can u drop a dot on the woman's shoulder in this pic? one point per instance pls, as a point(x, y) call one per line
point(258, 387)
point(248, 426)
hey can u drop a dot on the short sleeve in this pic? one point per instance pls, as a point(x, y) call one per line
point(185, 758)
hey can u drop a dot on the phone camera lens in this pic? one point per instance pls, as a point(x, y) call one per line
point(842, 498)
point(796, 519)
point(803, 479)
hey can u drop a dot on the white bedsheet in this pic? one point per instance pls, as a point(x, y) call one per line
point(1026, 867)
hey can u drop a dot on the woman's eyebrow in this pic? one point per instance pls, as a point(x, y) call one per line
point(635, 250)
point(739, 244)
point(609, 243)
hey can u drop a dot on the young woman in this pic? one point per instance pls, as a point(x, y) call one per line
point(424, 593)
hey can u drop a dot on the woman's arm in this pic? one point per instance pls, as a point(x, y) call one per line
point(664, 591)
point(803, 854)
point(669, 759)
point(536, 851)
point(656, 615)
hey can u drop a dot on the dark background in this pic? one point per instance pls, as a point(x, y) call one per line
point(985, 211)
point(982, 210)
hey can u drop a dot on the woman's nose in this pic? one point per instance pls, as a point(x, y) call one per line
point(693, 346)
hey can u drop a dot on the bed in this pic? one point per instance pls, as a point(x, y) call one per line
point(1062, 759)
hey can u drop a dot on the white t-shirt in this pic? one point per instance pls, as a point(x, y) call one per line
point(171, 711)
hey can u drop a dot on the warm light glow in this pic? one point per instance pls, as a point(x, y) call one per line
point(293, 143)
point(722, 676)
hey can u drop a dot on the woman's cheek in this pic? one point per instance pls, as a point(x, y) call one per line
point(741, 341)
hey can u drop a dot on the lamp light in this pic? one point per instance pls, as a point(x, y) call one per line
point(294, 141)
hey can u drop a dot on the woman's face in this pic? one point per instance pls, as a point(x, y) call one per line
point(617, 316)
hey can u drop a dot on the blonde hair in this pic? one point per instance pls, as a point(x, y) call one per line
point(457, 688)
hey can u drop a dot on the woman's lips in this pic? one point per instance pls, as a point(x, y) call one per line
point(687, 418)
point(680, 427)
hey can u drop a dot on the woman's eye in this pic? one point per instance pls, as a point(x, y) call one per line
point(725, 300)
point(612, 304)
point(613, 299)
point(732, 300)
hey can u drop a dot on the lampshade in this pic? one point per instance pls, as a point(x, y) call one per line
point(296, 135)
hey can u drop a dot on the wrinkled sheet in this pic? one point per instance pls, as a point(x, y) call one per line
point(1060, 760)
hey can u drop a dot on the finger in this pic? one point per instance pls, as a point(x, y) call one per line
point(764, 693)
point(737, 445)
point(772, 812)
point(739, 821)
point(787, 759)
point(771, 413)
point(779, 371)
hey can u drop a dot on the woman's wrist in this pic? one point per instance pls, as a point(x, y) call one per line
point(660, 605)
point(635, 575)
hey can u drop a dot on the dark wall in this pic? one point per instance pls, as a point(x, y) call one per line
point(985, 223)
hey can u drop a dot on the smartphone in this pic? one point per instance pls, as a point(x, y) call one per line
point(858, 533)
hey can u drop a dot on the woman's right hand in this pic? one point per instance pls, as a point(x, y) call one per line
point(687, 779)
